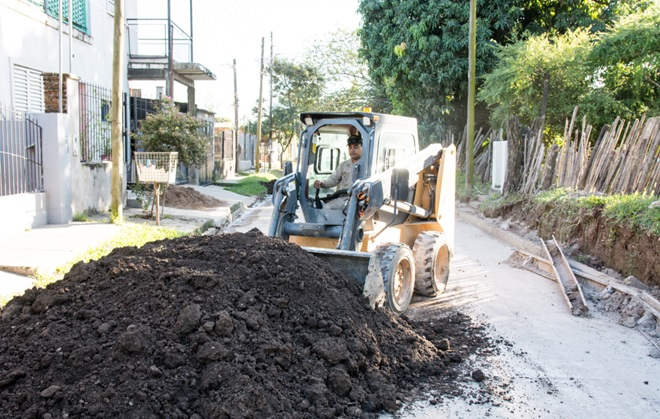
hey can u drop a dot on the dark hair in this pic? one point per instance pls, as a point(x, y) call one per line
point(354, 139)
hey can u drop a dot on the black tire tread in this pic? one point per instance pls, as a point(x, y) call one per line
point(426, 246)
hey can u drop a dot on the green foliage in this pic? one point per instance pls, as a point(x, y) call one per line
point(169, 130)
point(625, 63)
point(516, 84)
point(83, 217)
point(630, 209)
point(496, 200)
point(610, 74)
point(634, 209)
point(349, 86)
point(145, 194)
point(557, 17)
point(296, 88)
point(417, 50)
point(462, 193)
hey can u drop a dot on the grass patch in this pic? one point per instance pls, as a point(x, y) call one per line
point(478, 188)
point(635, 210)
point(630, 209)
point(495, 200)
point(252, 185)
point(84, 217)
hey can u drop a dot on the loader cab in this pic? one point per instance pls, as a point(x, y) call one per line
point(386, 141)
point(324, 149)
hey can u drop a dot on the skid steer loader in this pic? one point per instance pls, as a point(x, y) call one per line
point(394, 233)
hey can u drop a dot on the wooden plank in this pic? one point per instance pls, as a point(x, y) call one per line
point(558, 280)
point(532, 263)
point(568, 283)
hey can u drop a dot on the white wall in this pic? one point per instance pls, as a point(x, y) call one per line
point(30, 38)
point(22, 212)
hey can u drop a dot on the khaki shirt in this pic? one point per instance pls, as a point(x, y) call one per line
point(342, 177)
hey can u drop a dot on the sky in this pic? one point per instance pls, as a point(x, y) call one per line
point(224, 30)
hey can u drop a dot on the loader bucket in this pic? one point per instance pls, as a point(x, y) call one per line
point(356, 265)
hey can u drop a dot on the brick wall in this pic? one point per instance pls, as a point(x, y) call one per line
point(51, 92)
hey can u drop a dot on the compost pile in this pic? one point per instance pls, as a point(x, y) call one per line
point(229, 326)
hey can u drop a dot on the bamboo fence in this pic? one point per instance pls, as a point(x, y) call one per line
point(625, 159)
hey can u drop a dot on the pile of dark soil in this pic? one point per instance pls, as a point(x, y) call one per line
point(228, 326)
point(188, 198)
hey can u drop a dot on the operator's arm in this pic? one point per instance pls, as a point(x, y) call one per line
point(333, 179)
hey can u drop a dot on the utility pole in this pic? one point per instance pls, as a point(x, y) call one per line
point(257, 163)
point(235, 121)
point(469, 149)
point(169, 89)
point(270, 106)
point(116, 208)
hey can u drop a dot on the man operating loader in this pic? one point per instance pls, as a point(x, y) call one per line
point(343, 175)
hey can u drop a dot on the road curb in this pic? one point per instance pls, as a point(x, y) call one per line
point(471, 217)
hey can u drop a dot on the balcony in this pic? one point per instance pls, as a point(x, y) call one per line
point(160, 50)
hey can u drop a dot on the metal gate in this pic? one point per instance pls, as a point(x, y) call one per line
point(21, 153)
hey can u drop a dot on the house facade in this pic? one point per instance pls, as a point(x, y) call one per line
point(56, 73)
point(55, 98)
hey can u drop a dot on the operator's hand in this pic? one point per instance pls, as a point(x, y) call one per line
point(318, 184)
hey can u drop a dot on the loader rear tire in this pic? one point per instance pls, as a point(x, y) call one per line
point(431, 263)
point(398, 269)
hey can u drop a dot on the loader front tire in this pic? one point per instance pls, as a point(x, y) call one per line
point(398, 269)
point(431, 263)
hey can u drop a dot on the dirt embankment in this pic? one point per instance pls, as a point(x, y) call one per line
point(228, 326)
point(594, 239)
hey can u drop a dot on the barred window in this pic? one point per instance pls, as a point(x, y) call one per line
point(79, 12)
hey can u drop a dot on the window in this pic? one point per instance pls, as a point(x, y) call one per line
point(28, 89)
point(79, 12)
point(328, 159)
point(393, 155)
point(393, 148)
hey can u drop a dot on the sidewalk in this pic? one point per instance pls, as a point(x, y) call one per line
point(45, 248)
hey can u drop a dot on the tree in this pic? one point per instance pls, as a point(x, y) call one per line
point(296, 88)
point(169, 130)
point(625, 68)
point(557, 17)
point(349, 86)
point(609, 74)
point(418, 49)
point(516, 85)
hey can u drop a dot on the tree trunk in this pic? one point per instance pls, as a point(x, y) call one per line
point(516, 161)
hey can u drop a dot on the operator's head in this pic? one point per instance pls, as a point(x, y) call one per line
point(354, 144)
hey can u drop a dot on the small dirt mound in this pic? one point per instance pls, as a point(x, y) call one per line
point(229, 326)
point(188, 198)
point(269, 186)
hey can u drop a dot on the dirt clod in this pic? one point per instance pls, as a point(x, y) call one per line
point(227, 326)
